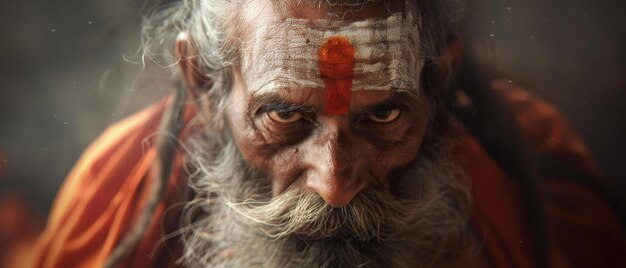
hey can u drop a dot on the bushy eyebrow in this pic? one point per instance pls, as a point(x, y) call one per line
point(402, 100)
point(274, 101)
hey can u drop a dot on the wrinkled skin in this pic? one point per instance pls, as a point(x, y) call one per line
point(287, 136)
point(334, 156)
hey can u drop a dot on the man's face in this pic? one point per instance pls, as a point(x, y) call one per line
point(339, 138)
point(327, 110)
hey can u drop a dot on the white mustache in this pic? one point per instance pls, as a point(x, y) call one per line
point(371, 215)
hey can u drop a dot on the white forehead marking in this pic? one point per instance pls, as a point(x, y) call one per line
point(285, 54)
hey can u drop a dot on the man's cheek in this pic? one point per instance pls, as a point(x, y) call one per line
point(250, 142)
point(279, 135)
point(392, 137)
point(263, 155)
point(396, 154)
point(286, 169)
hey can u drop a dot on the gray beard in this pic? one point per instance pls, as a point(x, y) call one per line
point(233, 221)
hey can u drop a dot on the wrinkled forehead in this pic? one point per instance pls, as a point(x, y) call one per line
point(370, 54)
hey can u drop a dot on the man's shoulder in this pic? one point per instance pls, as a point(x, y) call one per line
point(133, 131)
point(119, 148)
point(101, 193)
point(584, 226)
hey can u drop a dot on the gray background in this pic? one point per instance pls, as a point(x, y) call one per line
point(66, 71)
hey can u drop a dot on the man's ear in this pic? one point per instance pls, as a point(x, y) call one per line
point(195, 81)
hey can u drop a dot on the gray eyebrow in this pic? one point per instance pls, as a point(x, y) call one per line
point(273, 98)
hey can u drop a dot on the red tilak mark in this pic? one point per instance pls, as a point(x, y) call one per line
point(336, 63)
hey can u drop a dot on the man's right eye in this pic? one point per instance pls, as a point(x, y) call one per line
point(284, 117)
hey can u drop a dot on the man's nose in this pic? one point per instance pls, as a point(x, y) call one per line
point(335, 164)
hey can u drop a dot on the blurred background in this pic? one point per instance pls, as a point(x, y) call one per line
point(70, 68)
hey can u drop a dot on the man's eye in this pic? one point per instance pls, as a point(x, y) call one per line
point(384, 115)
point(284, 116)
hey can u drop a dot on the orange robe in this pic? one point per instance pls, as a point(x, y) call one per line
point(106, 189)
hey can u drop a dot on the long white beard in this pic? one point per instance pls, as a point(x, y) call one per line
point(234, 222)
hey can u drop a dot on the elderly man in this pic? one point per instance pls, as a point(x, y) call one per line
point(332, 134)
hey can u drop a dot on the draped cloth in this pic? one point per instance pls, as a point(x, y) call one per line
point(106, 190)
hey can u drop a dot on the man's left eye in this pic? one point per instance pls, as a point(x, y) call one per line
point(384, 115)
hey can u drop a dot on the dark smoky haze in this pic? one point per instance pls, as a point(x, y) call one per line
point(70, 68)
